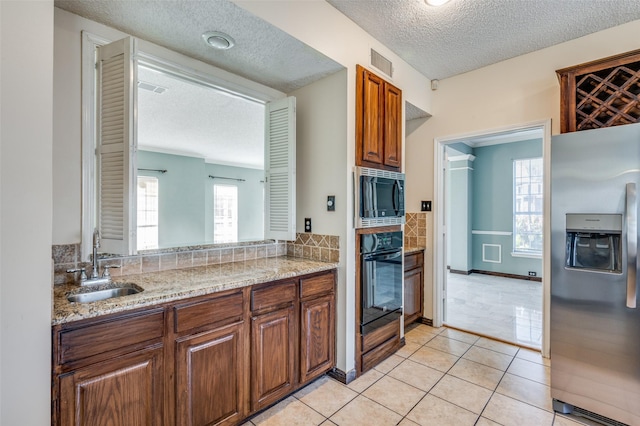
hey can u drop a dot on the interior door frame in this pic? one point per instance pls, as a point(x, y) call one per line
point(439, 254)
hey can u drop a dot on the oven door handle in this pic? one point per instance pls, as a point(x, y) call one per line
point(375, 257)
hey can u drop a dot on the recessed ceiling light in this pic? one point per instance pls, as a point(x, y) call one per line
point(218, 40)
point(435, 2)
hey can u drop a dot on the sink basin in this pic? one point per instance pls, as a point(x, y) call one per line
point(89, 296)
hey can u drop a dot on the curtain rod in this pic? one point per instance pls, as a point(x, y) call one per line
point(163, 171)
point(227, 178)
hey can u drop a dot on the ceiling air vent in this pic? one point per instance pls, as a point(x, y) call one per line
point(382, 63)
point(151, 87)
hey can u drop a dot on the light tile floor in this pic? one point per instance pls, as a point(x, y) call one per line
point(505, 308)
point(440, 377)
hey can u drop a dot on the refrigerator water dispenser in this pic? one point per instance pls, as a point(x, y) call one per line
point(594, 242)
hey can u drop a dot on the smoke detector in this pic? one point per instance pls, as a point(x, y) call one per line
point(218, 40)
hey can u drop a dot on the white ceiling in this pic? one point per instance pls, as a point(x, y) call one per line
point(464, 35)
point(199, 121)
point(460, 36)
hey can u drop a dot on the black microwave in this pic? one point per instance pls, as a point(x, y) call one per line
point(379, 197)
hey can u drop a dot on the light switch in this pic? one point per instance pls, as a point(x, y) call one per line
point(331, 203)
point(425, 206)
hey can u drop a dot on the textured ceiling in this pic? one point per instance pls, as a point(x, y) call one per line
point(464, 35)
point(439, 42)
point(263, 53)
point(192, 120)
point(198, 121)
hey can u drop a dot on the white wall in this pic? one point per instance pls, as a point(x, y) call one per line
point(25, 211)
point(321, 162)
point(517, 91)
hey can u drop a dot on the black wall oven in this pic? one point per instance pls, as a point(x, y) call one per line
point(381, 279)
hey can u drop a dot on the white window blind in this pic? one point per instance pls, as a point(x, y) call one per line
point(280, 169)
point(527, 206)
point(115, 146)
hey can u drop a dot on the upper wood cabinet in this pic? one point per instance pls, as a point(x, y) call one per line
point(602, 93)
point(378, 122)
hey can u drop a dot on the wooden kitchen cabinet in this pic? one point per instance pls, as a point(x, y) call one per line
point(127, 390)
point(110, 371)
point(378, 122)
point(317, 326)
point(210, 362)
point(273, 343)
point(413, 287)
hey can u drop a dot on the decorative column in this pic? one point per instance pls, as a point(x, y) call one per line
point(459, 192)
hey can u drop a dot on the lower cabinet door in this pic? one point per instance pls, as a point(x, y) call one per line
point(412, 295)
point(124, 391)
point(317, 337)
point(210, 377)
point(273, 345)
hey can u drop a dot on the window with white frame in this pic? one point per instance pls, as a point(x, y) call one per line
point(147, 213)
point(527, 206)
point(225, 213)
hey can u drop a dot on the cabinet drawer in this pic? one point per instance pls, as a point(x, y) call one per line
point(413, 260)
point(316, 285)
point(219, 311)
point(102, 337)
point(273, 296)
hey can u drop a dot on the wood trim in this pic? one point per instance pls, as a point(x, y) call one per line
point(341, 376)
point(505, 275)
point(457, 271)
point(567, 79)
point(426, 321)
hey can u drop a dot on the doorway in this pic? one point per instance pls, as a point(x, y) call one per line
point(492, 192)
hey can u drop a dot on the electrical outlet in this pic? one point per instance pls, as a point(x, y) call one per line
point(425, 206)
point(307, 224)
point(331, 203)
point(532, 273)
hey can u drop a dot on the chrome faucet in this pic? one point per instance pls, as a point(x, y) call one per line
point(96, 246)
point(95, 277)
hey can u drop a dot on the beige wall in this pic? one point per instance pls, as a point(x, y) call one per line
point(321, 165)
point(26, 71)
point(517, 91)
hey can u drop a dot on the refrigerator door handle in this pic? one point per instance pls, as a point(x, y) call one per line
point(632, 245)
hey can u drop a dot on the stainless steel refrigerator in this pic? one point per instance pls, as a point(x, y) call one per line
point(595, 321)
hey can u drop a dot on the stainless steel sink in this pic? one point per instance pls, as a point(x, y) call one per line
point(118, 290)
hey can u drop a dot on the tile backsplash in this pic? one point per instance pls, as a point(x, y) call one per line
point(309, 246)
point(325, 248)
point(415, 230)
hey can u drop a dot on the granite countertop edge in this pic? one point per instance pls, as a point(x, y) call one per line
point(177, 284)
point(411, 250)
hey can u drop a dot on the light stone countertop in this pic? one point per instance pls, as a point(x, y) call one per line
point(411, 250)
point(166, 286)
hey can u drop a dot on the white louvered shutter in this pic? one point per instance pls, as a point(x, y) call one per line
point(280, 167)
point(116, 146)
